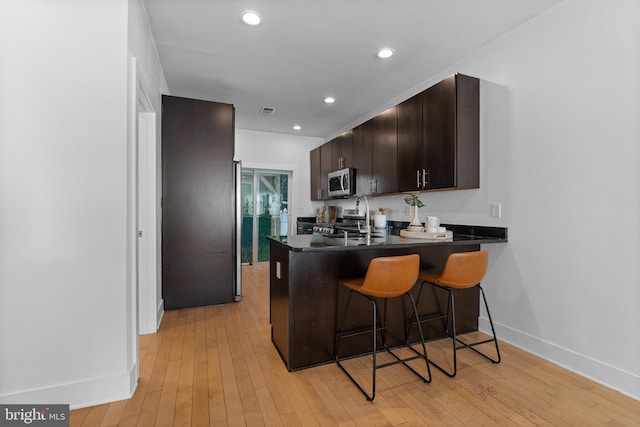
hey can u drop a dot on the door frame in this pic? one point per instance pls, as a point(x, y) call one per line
point(150, 307)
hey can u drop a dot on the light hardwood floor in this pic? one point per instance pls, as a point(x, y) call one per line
point(217, 366)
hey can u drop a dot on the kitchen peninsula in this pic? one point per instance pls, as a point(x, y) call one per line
point(306, 299)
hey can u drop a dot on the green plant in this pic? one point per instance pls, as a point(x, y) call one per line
point(413, 201)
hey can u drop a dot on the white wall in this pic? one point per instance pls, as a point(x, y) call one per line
point(64, 273)
point(560, 132)
point(266, 150)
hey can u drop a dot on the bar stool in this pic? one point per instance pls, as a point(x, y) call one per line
point(462, 270)
point(386, 277)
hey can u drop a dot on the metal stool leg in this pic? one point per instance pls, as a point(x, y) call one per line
point(424, 347)
point(375, 339)
point(463, 345)
point(451, 311)
point(381, 328)
point(341, 334)
point(471, 346)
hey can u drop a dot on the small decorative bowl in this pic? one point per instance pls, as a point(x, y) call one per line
point(416, 228)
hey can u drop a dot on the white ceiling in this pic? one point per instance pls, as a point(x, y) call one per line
point(306, 50)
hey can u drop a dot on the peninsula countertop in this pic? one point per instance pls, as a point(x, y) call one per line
point(306, 298)
point(462, 235)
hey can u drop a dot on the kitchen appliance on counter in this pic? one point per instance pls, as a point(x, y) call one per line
point(342, 183)
point(304, 224)
point(349, 223)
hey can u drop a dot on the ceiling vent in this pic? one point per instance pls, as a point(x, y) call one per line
point(268, 110)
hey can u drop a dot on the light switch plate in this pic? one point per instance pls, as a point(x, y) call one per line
point(495, 210)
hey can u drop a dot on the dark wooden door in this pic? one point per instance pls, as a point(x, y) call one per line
point(410, 153)
point(385, 152)
point(198, 221)
point(362, 156)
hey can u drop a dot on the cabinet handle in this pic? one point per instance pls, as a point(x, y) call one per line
point(425, 178)
point(319, 193)
point(418, 178)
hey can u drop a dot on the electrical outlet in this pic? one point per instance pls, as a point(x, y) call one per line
point(495, 210)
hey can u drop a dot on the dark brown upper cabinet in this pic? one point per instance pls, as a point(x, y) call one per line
point(342, 151)
point(315, 178)
point(326, 166)
point(363, 156)
point(320, 166)
point(451, 126)
point(428, 142)
point(375, 153)
point(438, 137)
point(384, 168)
point(410, 151)
point(330, 156)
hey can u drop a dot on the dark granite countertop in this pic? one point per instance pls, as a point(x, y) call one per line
point(462, 235)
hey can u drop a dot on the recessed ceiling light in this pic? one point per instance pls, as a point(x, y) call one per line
point(329, 100)
point(385, 53)
point(297, 127)
point(250, 17)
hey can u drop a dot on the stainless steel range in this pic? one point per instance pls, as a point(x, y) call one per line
point(349, 223)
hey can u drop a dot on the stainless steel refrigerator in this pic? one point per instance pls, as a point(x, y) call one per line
point(237, 184)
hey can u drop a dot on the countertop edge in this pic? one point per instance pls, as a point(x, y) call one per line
point(474, 234)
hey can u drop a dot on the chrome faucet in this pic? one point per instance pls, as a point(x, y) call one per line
point(367, 216)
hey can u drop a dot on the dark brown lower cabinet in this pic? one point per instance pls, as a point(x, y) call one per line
point(198, 221)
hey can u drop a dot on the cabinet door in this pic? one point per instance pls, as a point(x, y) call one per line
point(197, 203)
point(439, 134)
point(385, 152)
point(342, 151)
point(410, 152)
point(362, 156)
point(451, 133)
point(325, 168)
point(314, 166)
point(467, 132)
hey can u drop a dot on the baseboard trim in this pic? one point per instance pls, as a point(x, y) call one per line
point(95, 391)
point(159, 313)
point(610, 376)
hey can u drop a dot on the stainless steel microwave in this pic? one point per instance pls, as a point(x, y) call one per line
point(342, 183)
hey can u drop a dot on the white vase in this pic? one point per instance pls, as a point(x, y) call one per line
point(415, 220)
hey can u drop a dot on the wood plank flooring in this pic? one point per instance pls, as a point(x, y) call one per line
point(217, 366)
